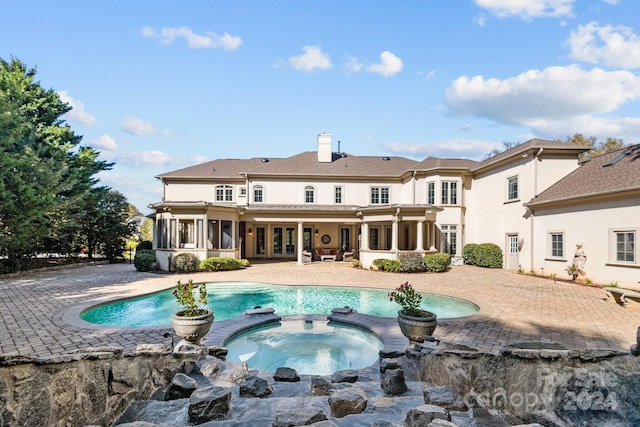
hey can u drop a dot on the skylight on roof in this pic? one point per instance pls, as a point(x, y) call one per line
point(616, 158)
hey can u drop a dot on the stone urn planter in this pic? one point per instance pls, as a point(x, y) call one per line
point(416, 327)
point(192, 328)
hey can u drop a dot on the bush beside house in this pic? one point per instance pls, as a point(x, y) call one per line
point(483, 255)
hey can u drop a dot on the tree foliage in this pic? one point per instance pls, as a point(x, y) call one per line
point(597, 147)
point(48, 187)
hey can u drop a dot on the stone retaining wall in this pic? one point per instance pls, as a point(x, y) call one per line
point(91, 387)
point(551, 386)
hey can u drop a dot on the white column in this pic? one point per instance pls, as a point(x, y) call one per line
point(365, 236)
point(432, 236)
point(300, 242)
point(420, 236)
point(394, 234)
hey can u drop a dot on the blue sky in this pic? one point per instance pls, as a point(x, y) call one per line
point(160, 85)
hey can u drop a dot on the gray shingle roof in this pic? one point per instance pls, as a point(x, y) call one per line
point(593, 178)
point(301, 164)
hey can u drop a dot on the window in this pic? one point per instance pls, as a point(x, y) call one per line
point(512, 188)
point(338, 195)
point(379, 195)
point(431, 193)
point(388, 237)
point(449, 193)
point(449, 239)
point(243, 192)
point(625, 246)
point(557, 244)
point(345, 238)
point(309, 194)
point(257, 194)
point(224, 193)
point(374, 238)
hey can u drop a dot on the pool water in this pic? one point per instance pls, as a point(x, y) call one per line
point(230, 299)
point(309, 347)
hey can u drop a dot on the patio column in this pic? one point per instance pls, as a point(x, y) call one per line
point(300, 241)
point(419, 236)
point(432, 236)
point(394, 234)
point(365, 236)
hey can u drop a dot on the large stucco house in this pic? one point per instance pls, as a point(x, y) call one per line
point(536, 201)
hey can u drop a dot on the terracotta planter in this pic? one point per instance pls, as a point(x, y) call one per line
point(416, 327)
point(192, 328)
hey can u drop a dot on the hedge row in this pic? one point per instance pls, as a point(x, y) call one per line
point(414, 263)
point(145, 260)
point(483, 255)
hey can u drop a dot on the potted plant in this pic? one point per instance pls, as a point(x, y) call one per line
point(192, 322)
point(414, 322)
point(573, 271)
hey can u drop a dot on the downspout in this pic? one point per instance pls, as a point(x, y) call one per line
point(535, 171)
point(532, 238)
point(413, 177)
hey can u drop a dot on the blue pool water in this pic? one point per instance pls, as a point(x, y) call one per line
point(230, 299)
point(309, 347)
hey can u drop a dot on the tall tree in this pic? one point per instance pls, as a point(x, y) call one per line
point(44, 174)
point(597, 148)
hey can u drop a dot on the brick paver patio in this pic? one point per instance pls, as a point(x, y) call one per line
point(40, 309)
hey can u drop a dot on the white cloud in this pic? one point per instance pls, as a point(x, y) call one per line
point(312, 59)
point(388, 66)
point(105, 142)
point(612, 46)
point(353, 65)
point(77, 113)
point(137, 126)
point(195, 41)
point(556, 97)
point(526, 9)
point(453, 148)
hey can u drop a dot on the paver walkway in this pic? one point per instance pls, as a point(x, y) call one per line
point(40, 309)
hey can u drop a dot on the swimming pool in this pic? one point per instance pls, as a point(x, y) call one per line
point(230, 299)
point(309, 347)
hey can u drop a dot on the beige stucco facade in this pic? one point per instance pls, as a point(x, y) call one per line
point(379, 207)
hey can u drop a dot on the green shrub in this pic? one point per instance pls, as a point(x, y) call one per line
point(245, 262)
point(145, 245)
point(436, 263)
point(489, 255)
point(469, 254)
point(411, 262)
point(145, 260)
point(355, 263)
point(379, 263)
point(391, 265)
point(185, 263)
point(220, 264)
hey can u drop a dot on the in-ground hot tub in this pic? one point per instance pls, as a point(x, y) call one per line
point(311, 347)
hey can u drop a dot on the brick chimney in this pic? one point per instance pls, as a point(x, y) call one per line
point(324, 148)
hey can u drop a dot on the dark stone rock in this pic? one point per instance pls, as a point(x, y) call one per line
point(181, 387)
point(208, 366)
point(386, 364)
point(299, 417)
point(218, 352)
point(285, 374)
point(392, 381)
point(346, 376)
point(155, 412)
point(385, 423)
point(390, 354)
point(255, 387)
point(346, 401)
point(159, 394)
point(483, 417)
point(210, 403)
point(425, 414)
point(445, 397)
point(320, 386)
